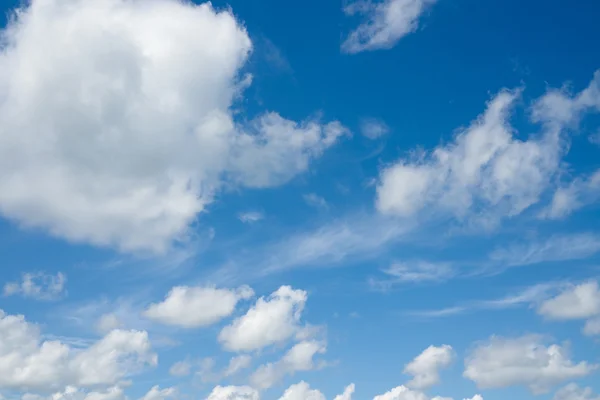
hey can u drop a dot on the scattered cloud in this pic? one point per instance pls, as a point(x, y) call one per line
point(237, 363)
point(425, 368)
point(484, 168)
point(372, 128)
point(413, 272)
point(404, 393)
point(573, 392)
point(28, 363)
point(251, 217)
point(524, 361)
point(347, 394)
point(315, 201)
point(156, 393)
point(160, 136)
point(556, 248)
point(39, 286)
point(271, 320)
point(192, 307)
point(233, 393)
point(181, 368)
point(573, 196)
point(302, 391)
point(298, 358)
point(575, 302)
point(385, 23)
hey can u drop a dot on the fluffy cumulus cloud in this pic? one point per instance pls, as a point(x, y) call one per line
point(271, 320)
point(191, 307)
point(576, 302)
point(404, 393)
point(28, 363)
point(573, 392)
point(298, 358)
point(38, 286)
point(117, 123)
point(526, 361)
point(233, 393)
point(156, 393)
point(385, 23)
point(347, 394)
point(302, 391)
point(74, 393)
point(426, 366)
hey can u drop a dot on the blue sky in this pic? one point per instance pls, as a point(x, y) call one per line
point(244, 200)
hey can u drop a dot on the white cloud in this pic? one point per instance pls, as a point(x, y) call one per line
point(573, 392)
point(373, 128)
point(347, 394)
point(191, 307)
point(526, 361)
point(426, 366)
point(233, 393)
point(298, 358)
point(386, 22)
point(74, 393)
point(573, 196)
point(315, 201)
point(555, 248)
point(38, 286)
point(27, 362)
point(476, 397)
point(237, 363)
point(485, 168)
point(271, 320)
point(413, 272)
point(592, 327)
point(302, 391)
point(250, 217)
point(156, 393)
point(108, 322)
point(181, 368)
point(126, 150)
point(575, 302)
point(403, 393)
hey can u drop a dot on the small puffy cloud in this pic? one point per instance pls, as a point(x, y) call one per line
point(347, 394)
point(74, 393)
point(573, 392)
point(27, 362)
point(233, 393)
point(271, 320)
point(485, 168)
point(385, 23)
point(315, 201)
point(527, 361)
point(373, 128)
point(298, 358)
point(236, 364)
point(575, 302)
point(181, 368)
point(576, 194)
point(302, 391)
point(250, 217)
point(108, 322)
point(426, 366)
point(128, 149)
point(402, 393)
point(156, 393)
point(39, 286)
point(191, 307)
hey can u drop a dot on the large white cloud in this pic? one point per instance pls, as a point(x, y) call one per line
point(271, 320)
point(527, 361)
point(386, 22)
point(426, 366)
point(190, 307)
point(116, 120)
point(28, 363)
